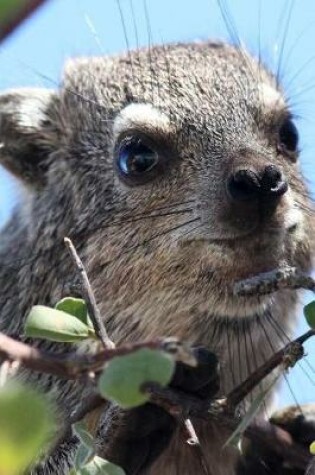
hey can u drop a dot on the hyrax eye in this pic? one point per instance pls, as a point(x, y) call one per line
point(137, 161)
point(288, 137)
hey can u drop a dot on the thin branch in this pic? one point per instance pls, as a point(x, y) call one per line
point(89, 297)
point(287, 357)
point(194, 442)
point(68, 366)
point(75, 366)
point(269, 282)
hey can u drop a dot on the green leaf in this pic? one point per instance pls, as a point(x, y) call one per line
point(309, 312)
point(123, 377)
point(82, 433)
point(55, 325)
point(75, 307)
point(99, 466)
point(86, 448)
point(83, 456)
point(25, 424)
point(234, 439)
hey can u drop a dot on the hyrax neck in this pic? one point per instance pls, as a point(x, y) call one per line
point(242, 343)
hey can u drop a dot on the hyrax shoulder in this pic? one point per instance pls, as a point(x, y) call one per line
point(175, 171)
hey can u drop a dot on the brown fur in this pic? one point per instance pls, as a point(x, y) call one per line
point(154, 275)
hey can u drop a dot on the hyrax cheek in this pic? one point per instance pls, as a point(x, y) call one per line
point(293, 215)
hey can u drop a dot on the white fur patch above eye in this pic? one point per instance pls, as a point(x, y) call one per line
point(141, 117)
point(270, 97)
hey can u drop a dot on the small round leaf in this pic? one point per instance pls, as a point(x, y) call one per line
point(309, 312)
point(75, 307)
point(123, 377)
point(55, 325)
point(25, 425)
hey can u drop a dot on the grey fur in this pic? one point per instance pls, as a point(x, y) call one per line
point(150, 281)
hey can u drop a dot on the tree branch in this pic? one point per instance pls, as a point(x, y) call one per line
point(176, 403)
point(269, 282)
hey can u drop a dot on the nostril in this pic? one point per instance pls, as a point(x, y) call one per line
point(243, 185)
point(272, 182)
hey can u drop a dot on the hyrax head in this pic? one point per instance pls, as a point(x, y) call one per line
point(174, 169)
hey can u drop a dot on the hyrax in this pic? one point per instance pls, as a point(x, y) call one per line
point(175, 172)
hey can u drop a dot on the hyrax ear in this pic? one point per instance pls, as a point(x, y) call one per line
point(27, 133)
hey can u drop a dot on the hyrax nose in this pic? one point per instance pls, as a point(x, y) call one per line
point(246, 184)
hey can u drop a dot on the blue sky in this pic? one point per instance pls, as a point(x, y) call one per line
point(34, 56)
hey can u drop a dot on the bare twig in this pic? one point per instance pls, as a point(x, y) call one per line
point(89, 297)
point(194, 442)
point(69, 366)
point(269, 282)
point(74, 366)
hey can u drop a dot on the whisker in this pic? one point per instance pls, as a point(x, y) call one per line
point(49, 79)
point(229, 348)
point(135, 219)
point(148, 240)
point(284, 38)
point(94, 33)
point(273, 350)
point(298, 40)
point(170, 86)
point(136, 37)
point(259, 33)
point(240, 365)
point(311, 367)
point(253, 352)
point(147, 19)
point(245, 329)
point(228, 22)
point(286, 339)
point(19, 263)
point(299, 71)
point(124, 27)
point(134, 23)
point(235, 38)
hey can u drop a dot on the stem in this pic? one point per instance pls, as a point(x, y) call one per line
point(269, 282)
point(287, 356)
point(89, 297)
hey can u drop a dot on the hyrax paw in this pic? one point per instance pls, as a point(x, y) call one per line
point(299, 422)
point(134, 439)
point(201, 381)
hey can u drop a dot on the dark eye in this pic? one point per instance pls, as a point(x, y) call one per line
point(288, 137)
point(137, 161)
